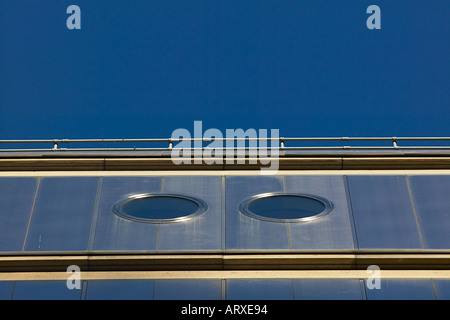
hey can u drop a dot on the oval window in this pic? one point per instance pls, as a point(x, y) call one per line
point(159, 208)
point(282, 207)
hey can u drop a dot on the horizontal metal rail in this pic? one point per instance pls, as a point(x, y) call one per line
point(229, 139)
point(278, 143)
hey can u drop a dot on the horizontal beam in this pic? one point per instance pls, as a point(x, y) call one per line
point(285, 163)
point(288, 163)
point(174, 262)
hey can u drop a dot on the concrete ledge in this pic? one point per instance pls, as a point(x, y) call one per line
point(227, 275)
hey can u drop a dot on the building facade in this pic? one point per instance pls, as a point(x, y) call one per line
point(330, 224)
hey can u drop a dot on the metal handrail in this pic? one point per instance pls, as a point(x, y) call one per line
point(226, 139)
point(281, 140)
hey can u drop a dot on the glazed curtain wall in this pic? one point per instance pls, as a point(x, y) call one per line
point(228, 289)
point(75, 214)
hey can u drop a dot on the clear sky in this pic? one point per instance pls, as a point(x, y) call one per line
point(141, 69)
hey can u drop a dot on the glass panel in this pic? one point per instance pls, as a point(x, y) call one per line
point(327, 289)
point(16, 201)
point(402, 289)
point(45, 290)
point(243, 232)
point(6, 289)
point(201, 289)
point(432, 204)
point(119, 290)
point(267, 289)
point(115, 233)
point(201, 233)
point(63, 214)
point(442, 288)
point(383, 212)
point(331, 231)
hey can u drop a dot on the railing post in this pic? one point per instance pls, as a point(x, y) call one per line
point(394, 143)
point(55, 145)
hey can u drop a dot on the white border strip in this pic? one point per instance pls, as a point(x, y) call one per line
point(251, 274)
point(217, 173)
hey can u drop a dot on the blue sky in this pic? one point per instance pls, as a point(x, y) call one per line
point(141, 69)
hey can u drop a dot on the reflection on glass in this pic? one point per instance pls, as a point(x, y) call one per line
point(442, 288)
point(402, 289)
point(188, 289)
point(159, 208)
point(44, 290)
point(327, 289)
point(285, 207)
point(260, 289)
point(6, 289)
point(120, 289)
